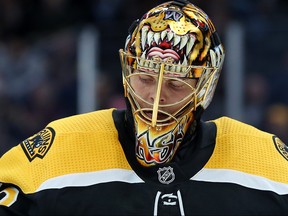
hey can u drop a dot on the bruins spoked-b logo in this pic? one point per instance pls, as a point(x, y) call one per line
point(281, 147)
point(39, 144)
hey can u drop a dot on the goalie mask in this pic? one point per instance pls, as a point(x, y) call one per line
point(170, 65)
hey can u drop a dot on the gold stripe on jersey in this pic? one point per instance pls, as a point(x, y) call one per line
point(82, 143)
point(243, 148)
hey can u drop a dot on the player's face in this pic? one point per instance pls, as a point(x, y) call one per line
point(174, 92)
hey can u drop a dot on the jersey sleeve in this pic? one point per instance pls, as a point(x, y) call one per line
point(64, 147)
point(17, 166)
point(13, 201)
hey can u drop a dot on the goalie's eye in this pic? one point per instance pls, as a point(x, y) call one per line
point(146, 79)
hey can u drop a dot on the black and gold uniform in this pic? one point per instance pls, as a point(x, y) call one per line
point(86, 165)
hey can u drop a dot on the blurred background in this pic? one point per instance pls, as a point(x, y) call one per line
point(60, 58)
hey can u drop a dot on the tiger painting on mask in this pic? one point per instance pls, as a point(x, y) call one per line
point(175, 45)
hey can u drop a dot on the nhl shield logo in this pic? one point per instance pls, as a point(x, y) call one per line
point(166, 175)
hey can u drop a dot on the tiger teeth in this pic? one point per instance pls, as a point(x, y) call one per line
point(183, 42)
point(163, 35)
point(157, 37)
point(190, 44)
point(170, 35)
point(172, 68)
point(144, 36)
point(142, 59)
point(176, 40)
point(184, 63)
point(150, 37)
point(178, 68)
point(146, 63)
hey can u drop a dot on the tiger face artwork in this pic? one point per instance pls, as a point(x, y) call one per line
point(172, 45)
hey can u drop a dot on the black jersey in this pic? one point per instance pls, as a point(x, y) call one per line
point(86, 165)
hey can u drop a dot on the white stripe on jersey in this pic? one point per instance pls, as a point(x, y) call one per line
point(90, 178)
point(240, 178)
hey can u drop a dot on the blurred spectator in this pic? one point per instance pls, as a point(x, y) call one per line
point(278, 77)
point(22, 68)
point(256, 98)
point(13, 18)
point(276, 121)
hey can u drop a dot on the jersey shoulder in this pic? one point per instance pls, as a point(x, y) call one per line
point(73, 134)
point(100, 120)
point(82, 143)
point(242, 147)
point(228, 126)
